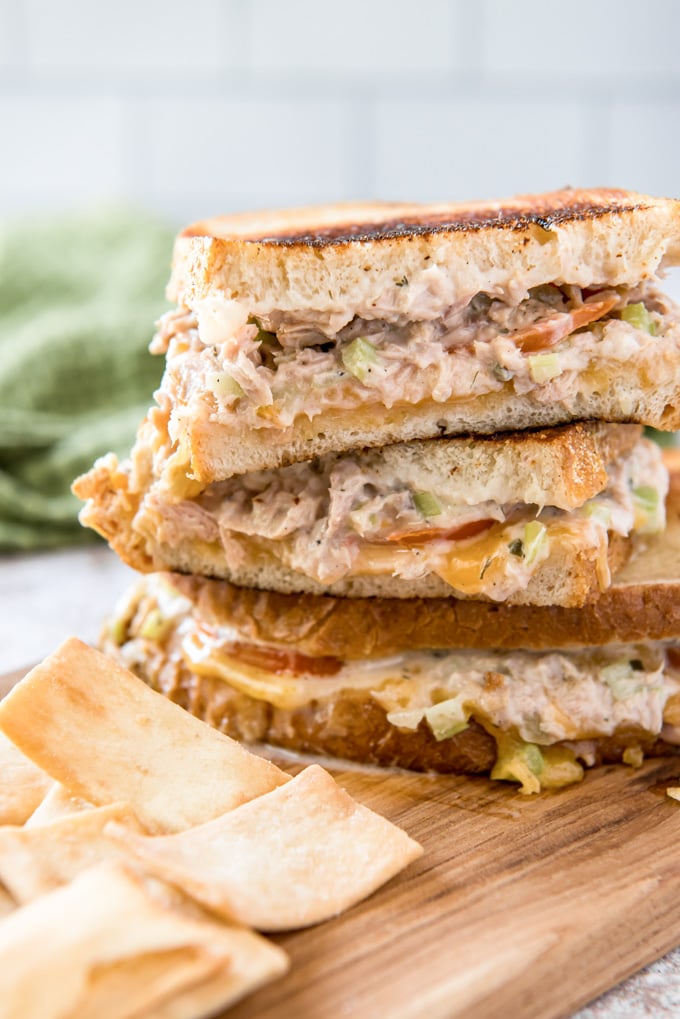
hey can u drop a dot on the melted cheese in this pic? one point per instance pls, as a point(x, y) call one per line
point(561, 696)
point(286, 692)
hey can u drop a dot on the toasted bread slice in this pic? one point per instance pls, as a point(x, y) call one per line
point(562, 468)
point(324, 257)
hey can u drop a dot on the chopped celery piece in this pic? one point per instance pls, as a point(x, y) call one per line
point(155, 626)
point(646, 498)
point(117, 629)
point(621, 680)
point(649, 515)
point(517, 761)
point(358, 357)
point(222, 384)
point(633, 756)
point(543, 367)
point(263, 336)
point(406, 719)
point(637, 316)
point(598, 511)
point(646, 493)
point(534, 767)
point(447, 718)
point(427, 504)
point(535, 538)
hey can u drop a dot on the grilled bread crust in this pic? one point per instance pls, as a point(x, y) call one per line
point(563, 466)
point(348, 725)
point(325, 257)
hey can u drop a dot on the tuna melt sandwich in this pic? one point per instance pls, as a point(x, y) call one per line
point(395, 476)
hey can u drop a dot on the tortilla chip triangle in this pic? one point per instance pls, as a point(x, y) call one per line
point(293, 857)
point(108, 738)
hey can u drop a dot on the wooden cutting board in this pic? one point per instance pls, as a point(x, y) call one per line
point(521, 907)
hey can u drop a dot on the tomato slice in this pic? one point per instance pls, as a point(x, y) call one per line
point(280, 660)
point(547, 332)
point(413, 539)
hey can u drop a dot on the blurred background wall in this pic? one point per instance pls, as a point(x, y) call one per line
point(189, 108)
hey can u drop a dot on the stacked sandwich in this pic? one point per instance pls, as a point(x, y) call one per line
point(394, 475)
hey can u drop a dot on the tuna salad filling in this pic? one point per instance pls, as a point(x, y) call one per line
point(274, 368)
point(345, 516)
point(543, 708)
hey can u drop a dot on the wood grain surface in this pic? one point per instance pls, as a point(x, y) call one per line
point(520, 907)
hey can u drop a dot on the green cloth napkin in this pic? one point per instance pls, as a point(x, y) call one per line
point(78, 302)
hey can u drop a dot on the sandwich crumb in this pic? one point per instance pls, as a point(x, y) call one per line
point(633, 756)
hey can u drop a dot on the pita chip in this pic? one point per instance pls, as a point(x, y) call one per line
point(7, 903)
point(290, 858)
point(121, 954)
point(57, 804)
point(251, 967)
point(22, 785)
point(108, 738)
point(36, 860)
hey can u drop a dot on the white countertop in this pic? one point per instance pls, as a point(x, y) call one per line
point(50, 596)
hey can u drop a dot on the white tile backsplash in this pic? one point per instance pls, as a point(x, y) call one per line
point(11, 35)
point(219, 104)
point(464, 149)
point(232, 153)
point(136, 37)
point(64, 150)
point(354, 37)
point(644, 146)
point(582, 40)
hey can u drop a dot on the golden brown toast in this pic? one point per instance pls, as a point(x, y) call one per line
point(322, 256)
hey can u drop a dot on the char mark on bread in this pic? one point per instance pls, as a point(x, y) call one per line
point(543, 211)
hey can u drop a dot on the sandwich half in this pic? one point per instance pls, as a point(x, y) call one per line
point(327, 329)
point(537, 518)
point(527, 694)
